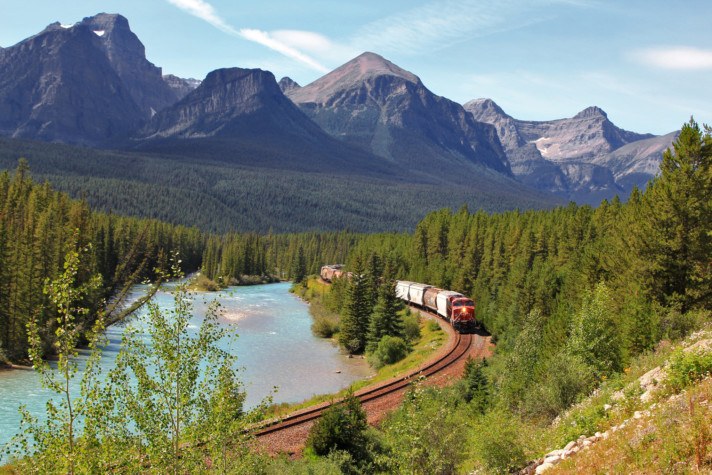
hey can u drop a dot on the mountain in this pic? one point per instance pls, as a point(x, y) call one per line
point(287, 84)
point(181, 87)
point(376, 105)
point(634, 164)
point(59, 85)
point(585, 158)
point(242, 115)
point(84, 83)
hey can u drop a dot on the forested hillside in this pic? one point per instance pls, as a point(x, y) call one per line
point(199, 184)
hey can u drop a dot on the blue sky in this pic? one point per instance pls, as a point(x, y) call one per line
point(648, 64)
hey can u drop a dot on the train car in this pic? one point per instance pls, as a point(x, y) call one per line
point(403, 290)
point(416, 293)
point(457, 309)
point(331, 272)
point(451, 306)
point(430, 299)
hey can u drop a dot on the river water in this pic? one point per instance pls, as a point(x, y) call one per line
point(275, 347)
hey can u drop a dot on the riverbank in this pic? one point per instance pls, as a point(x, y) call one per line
point(201, 283)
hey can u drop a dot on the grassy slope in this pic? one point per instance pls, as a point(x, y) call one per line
point(673, 432)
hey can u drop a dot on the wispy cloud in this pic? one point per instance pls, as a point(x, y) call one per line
point(265, 39)
point(205, 11)
point(443, 22)
point(675, 57)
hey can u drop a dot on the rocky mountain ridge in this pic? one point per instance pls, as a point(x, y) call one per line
point(585, 157)
point(375, 104)
point(90, 83)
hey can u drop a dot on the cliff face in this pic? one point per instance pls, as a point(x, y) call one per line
point(127, 56)
point(228, 102)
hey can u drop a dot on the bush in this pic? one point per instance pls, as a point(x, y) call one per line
point(325, 327)
point(411, 327)
point(202, 283)
point(498, 442)
point(427, 434)
point(688, 367)
point(390, 349)
point(342, 427)
point(433, 326)
point(563, 380)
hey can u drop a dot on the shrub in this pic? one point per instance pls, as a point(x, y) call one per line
point(342, 427)
point(688, 367)
point(390, 349)
point(411, 327)
point(433, 326)
point(427, 434)
point(324, 327)
point(498, 442)
point(204, 284)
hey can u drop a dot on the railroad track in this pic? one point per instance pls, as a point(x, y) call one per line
point(457, 351)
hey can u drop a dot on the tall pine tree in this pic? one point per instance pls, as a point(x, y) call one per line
point(354, 323)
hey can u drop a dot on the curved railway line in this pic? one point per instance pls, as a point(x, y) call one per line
point(459, 347)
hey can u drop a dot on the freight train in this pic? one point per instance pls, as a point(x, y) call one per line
point(454, 307)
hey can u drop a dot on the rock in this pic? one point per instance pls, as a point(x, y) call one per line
point(581, 437)
point(637, 415)
point(570, 446)
point(552, 459)
point(338, 371)
point(607, 407)
point(605, 435)
point(598, 435)
point(556, 453)
point(587, 443)
point(543, 468)
point(649, 382)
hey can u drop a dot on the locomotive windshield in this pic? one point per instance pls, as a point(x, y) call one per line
point(463, 303)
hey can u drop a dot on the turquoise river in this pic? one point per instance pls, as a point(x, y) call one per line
point(275, 348)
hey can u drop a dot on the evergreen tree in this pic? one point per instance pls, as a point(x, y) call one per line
point(341, 427)
point(476, 384)
point(299, 270)
point(595, 338)
point(385, 319)
point(354, 323)
point(673, 236)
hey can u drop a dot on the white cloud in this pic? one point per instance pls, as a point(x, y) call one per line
point(317, 44)
point(675, 57)
point(265, 39)
point(205, 11)
point(443, 22)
